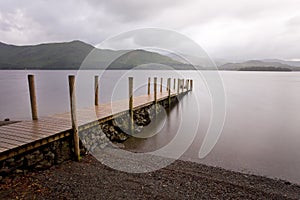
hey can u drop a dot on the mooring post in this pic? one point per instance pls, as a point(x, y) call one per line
point(130, 82)
point(96, 87)
point(168, 86)
point(182, 84)
point(169, 91)
point(178, 85)
point(191, 85)
point(155, 90)
point(174, 87)
point(149, 80)
point(161, 84)
point(187, 85)
point(74, 117)
point(32, 95)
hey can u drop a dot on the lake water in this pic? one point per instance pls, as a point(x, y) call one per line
point(261, 131)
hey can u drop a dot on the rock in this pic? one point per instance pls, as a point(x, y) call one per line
point(118, 145)
point(102, 137)
point(50, 156)
point(102, 146)
point(5, 171)
point(45, 164)
point(93, 147)
point(122, 137)
point(34, 158)
point(10, 160)
point(111, 129)
point(19, 171)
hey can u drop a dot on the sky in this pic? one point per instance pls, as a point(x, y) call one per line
point(228, 29)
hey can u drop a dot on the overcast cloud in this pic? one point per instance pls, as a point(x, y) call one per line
point(225, 29)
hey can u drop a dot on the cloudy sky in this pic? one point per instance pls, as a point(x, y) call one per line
point(231, 29)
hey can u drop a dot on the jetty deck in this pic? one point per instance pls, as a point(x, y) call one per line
point(23, 136)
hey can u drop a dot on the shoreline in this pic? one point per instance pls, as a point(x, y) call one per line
point(89, 179)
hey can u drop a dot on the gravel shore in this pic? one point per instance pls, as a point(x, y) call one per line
point(89, 179)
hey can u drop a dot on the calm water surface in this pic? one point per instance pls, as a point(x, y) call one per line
point(261, 133)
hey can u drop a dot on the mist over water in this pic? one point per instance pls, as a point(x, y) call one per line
point(261, 130)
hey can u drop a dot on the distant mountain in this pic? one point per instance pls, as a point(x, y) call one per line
point(43, 56)
point(76, 54)
point(203, 62)
point(199, 62)
point(287, 62)
point(70, 55)
point(257, 65)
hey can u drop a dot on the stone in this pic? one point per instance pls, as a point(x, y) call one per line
point(44, 165)
point(10, 160)
point(34, 158)
point(102, 146)
point(111, 129)
point(50, 155)
point(19, 171)
point(5, 171)
point(93, 147)
point(102, 137)
point(118, 145)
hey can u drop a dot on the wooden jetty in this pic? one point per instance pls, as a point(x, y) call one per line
point(24, 136)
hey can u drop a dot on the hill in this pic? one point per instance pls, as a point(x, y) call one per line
point(287, 62)
point(257, 65)
point(70, 55)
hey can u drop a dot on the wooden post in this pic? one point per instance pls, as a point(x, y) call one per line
point(74, 117)
point(178, 85)
point(149, 80)
point(169, 91)
point(155, 90)
point(161, 84)
point(174, 84)
point(130, 82)
point(96, 86)
point(32, 94)
point(168, 85)
point(182, 84)
point(191, 85)
point(187, 85)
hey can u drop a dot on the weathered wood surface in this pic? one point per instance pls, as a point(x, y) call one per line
point(32, 94)
point(22, 133)
point(74, 116)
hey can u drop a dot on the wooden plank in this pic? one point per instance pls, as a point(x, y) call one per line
point(59, 122)
point(50, 118)
point(39, 130)
point(12, 142)
point(7, 146)
point(6, 136)
point(25, 135)
point(33, 126)
point(35, 132)
point(3, 149)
